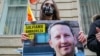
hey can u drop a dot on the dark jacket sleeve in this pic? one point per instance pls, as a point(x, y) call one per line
point(92, 42)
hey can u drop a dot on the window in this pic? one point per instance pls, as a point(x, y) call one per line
point(88, 9)
point(15, 20)
point(17, 2)
point(15, 17)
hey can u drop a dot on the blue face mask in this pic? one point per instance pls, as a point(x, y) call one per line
point(48, 10)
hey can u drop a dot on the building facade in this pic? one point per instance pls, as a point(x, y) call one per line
point(13, 14)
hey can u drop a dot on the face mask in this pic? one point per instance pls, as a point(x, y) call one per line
point(48, 10)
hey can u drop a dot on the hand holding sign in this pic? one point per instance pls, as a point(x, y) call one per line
point(82, 38)
point(24, 36)
point(98, 34)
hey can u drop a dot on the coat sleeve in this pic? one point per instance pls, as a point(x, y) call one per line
point(92, 42)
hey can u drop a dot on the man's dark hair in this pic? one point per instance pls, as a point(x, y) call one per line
point(60, 23)
point(96, 17)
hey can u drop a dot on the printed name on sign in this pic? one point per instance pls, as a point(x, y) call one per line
point(35, 28)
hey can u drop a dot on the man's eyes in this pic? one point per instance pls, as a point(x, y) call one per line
point(57, 37)
point(65, 35)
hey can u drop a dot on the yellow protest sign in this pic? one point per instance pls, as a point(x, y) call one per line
point(31, 36)
point(34, 28)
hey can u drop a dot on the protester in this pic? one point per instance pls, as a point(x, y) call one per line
point(93, 42)
point(49, 11)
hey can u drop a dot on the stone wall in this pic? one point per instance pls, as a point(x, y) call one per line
point(9, 45)
point(67, 9)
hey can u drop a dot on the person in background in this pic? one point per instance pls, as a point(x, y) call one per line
point(96, 17)
point(49, 11)
point(93, 40)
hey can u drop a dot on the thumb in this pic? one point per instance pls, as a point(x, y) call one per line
point(98, 29)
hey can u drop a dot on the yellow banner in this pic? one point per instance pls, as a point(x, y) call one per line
point(35, 28)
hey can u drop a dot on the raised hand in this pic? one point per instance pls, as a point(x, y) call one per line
point(98, 33)
point(24, 36)
point(82, 38)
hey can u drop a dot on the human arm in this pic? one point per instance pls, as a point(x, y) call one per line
point(93, 44)
point(24, 36)
point(82, 38)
